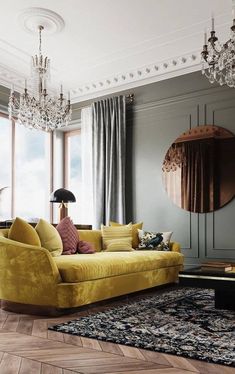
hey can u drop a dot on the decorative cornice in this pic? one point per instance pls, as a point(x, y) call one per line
point(8, 77)
point(143, 75)
point(125, 80)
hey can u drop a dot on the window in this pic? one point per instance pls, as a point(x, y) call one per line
point(25, 171)
point(31, 173)
point(78, 176)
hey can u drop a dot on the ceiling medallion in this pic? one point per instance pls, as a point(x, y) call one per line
point(30, 18)
point(40, 110)
point(218, 60)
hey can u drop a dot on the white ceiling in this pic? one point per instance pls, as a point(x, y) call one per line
point(110, 45)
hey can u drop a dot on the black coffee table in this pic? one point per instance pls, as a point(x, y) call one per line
point(222, 282)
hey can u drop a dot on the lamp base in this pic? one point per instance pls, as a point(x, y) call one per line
point(63, 211)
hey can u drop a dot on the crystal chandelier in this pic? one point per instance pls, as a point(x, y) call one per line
point(40, 110)
point(218, 60)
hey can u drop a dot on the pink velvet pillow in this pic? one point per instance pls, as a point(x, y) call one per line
point(85, 247)
point(69, 236)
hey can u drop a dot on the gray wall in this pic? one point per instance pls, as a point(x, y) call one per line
point(162, 112)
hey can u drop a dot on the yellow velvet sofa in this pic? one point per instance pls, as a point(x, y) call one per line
point(30, 275)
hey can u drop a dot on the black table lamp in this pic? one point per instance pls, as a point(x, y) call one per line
point(63, 197)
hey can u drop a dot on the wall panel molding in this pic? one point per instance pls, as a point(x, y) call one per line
point(153, 130)
point(219, 225)
point(182, 98)
point(157, 122)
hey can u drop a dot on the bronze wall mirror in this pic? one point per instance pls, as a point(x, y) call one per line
point(199, 169)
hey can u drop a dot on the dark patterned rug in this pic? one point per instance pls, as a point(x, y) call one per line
point(182, 322)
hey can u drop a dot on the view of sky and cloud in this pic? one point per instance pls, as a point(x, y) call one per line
point(31, 172)
point(74, 176)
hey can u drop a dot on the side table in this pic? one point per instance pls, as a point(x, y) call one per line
point(222, 282)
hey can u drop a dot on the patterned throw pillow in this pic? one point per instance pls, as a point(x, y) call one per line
point(115, 232)
point(69, 236)
point(154, 240)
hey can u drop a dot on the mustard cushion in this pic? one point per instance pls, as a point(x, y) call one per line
point(84, 267)
point(82, 293)
point(50, 238)
point(21, 231)
point(93, 237)
point(135, 228)
point(115, 232)
point(119, 245)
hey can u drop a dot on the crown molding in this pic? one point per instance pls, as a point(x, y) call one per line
point(9, 76)
point(123, 81)
point(155, 72)
point(14, 66)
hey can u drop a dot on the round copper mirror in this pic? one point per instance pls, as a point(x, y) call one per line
point(199, 169)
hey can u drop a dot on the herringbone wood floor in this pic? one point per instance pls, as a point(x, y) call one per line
point(28, 347)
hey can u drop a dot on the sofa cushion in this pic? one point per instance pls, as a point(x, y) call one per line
point(115, 232)
point(135, 228)
point(84, 267)
point(93, 237)
point(69, 235)
point(50, 238)
point(21, 231)
point(119, 245)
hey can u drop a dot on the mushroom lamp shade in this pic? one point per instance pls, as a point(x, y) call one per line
point(63, 197)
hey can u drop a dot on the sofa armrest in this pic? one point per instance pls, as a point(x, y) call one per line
point(28, 274)
point(175, 247)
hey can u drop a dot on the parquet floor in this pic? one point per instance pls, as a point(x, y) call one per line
point(28, 347)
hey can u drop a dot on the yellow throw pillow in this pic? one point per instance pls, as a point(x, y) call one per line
point(115, 232)
point(119, 245)
point(21, 231)
point(50, 238)
point(135, 228)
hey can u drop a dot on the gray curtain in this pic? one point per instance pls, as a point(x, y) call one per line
point(109, 153)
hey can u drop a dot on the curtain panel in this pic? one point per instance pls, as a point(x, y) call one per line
point(109, 159)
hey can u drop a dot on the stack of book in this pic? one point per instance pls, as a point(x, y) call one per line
point(216, 266)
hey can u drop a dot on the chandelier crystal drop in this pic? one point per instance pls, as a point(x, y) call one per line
point(40, 110)
point(218, 60)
